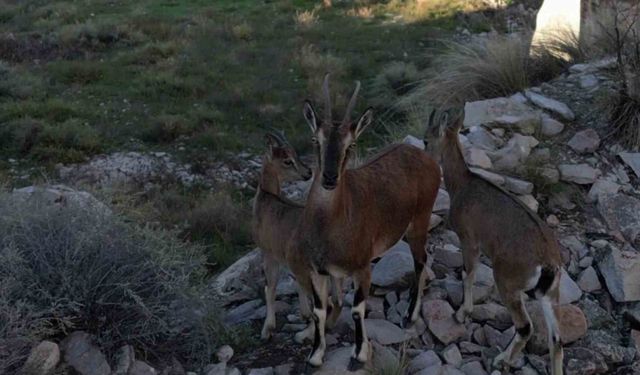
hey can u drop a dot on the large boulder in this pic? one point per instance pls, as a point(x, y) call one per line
point(551, 105)
point(514, 153)
point(585, 141)
point(385, 332)
point(61, 195)
point(620, 212)
point(476, 157)
point(582, 174)
point(481, 138)
point(571, 320)
point(584, 361)
point(551, 127)
point(569, 290)
point(242, 280)
point(438, 315)
point(602, 187)
point(632, 160)
point(424, 360)
point(84, 357)
point(442, 201)
point(621, 272)
point(395, 268)
point(42, 360)
point(502, 112)
point(128, 168)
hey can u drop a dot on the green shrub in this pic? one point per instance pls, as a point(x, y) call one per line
point(20, 135)
point(72, 268)
point(168, 128)
point(70, 141)
point(395, 80)
point(77, 72)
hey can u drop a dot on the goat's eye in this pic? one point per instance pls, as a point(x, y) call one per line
point(352, 146)
point(288, 162)
point(314, 140)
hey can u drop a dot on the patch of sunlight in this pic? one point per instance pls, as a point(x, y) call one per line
point(557, 17)
point(425, 10)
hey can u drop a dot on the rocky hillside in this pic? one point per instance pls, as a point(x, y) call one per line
point(548, 146)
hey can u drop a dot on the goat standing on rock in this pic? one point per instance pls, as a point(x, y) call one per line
point(274, 218)
point(524, 252)
point(354, 215)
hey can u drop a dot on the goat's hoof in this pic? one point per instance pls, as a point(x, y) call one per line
point(266, 334)
point(309, 369)
point(355, 365)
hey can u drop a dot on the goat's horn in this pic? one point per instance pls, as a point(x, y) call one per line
point(278, 136)
point(352, 103)
point(327, 99)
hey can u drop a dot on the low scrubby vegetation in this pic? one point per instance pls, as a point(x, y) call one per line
point(72, 268)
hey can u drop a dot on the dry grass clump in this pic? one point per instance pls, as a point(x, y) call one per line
point(315, 64)
point(242, 31)
point(306, 19)
point(482, 69)
point(434, 9)
point(76, 268)
point(365, 12)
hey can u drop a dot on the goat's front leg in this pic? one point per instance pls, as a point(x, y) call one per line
point(361, 348)
point(320, 284)
point(307, 315)
point(271, 271)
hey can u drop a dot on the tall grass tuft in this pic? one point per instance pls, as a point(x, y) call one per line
point(481, 69)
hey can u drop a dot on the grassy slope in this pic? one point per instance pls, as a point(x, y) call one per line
point(83, 77)
point(197, 78)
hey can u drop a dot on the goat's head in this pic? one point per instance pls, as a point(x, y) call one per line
point(284, 158)
point(333, 141)
point(440, 124)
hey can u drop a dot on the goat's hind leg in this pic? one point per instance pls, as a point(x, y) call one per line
point(306, 314)
point(470, 256)
point(417, 238)
point(555, 343)
point(524, 329)
point(271, 270)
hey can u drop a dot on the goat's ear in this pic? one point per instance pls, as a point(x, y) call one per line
point(310, 115)
point(271, 142)
point(363, 122)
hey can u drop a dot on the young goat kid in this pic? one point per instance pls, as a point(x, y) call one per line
point(523, 250)
point(274, 219)
point(354, 215)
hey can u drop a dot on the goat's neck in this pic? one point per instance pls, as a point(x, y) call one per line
point(323, 201)
point(455, 170)
point(269, 180)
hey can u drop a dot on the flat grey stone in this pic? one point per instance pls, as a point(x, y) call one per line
point(551, 105)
